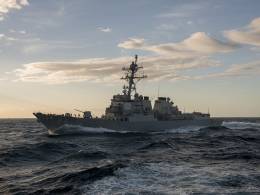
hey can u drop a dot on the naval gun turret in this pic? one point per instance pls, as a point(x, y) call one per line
point(86, 114)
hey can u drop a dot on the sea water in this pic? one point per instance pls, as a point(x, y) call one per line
point(79, 160)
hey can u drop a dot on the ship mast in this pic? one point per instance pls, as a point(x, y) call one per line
point(131, 77)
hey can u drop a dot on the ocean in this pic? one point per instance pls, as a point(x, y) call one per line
point(192, 160)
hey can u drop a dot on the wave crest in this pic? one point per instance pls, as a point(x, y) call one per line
point(241, 125)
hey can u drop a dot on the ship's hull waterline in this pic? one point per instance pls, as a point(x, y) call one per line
point(138, 126)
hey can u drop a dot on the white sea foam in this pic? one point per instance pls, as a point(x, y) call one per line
point(185, 129)
point(164, 178)
point(241, 125)
point(51, 132)
point(77, 129)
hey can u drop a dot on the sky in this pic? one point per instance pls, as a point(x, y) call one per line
point(57, 56)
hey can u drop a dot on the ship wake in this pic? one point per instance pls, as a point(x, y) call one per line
point(77, 129)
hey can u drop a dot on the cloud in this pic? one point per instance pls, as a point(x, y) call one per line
point(167, 27)
point(27, 44)
point(247, 35)
point(197, 43)
point(106, 30)
point(3, 79)
point(183, 10)
point(247, 69)
point(108, 70)
point(65, 72)
point(174, 15)
point(200, 42)
point(132, 43)
point(19, 31)
point(3, 37)
point(22, 32)
point(236, 70)
point(7, 5)
point(169, 62)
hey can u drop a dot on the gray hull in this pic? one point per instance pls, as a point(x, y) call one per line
point(56, 123)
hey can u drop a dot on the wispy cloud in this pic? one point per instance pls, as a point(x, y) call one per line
point(107, 70)
point(29, 44)
point(247, 35)
point(167, 27)
point(198, 42)
point(183, 10)
point(236, 70)
point(6, 38)
point(22, 31)
point(105, 29)
point(3, 78)
point(133, 43)
point(35, 45)
point(246, 69)
point(7, 5)
point(18, 31)
point(173, 15)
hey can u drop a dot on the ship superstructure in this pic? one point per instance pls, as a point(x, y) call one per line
point(131, 106)
point(127, 106)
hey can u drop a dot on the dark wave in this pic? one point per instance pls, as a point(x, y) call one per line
point(68, 183)
point(212, 143)
point(158, 145)
point(30, 153)
point(238, 181)
point(228, 155)
point(83, 155)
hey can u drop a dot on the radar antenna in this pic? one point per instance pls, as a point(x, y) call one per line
point(132, 77)
point(79, 111)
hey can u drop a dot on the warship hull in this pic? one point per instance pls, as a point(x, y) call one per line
point(55, 123)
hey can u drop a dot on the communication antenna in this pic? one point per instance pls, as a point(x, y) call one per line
point(136, 58)
point(132, 77)
point(158, 91)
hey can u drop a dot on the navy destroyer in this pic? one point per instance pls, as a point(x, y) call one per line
point(130, 111)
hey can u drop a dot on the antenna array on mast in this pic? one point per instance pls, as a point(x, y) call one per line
point(132, 77)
